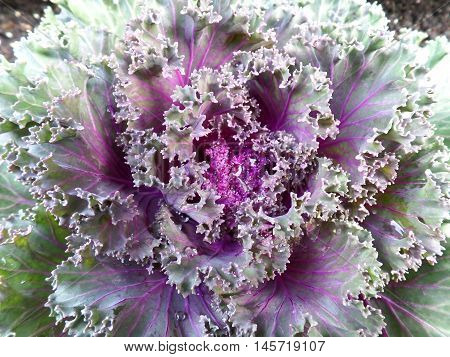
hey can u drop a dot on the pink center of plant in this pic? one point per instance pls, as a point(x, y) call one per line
point(234, 176)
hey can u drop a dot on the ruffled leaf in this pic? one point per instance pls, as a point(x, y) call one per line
point(420, 305)
point(210, 159)
point(292, 99)
point(142, 303)
point(195, 37)
point(407, 218)
point(13, 195)
point(27, 259)
point(438, 61)
point(326, 275)
point(103, 14)
point(368, 87)
point(188, 260)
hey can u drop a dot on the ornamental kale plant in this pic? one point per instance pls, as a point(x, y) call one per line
point(223, 168)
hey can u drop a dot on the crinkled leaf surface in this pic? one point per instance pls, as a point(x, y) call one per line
point(295, 147)
point(327, 268)
point(407, 218)
point(368, 88)
point(13, 195)
point(439, 61)
point(26, 261)
point(144, 304)
point(419, 306)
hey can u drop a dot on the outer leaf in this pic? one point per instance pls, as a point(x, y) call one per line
point(288, 18)
point(368, 88)
point(439, 62)
point(11, 79)
point(353, 12)
point(144, 304)
point(328, 270)
point(209, 34)
point(419, 306)
point(13, 195)
point(83, 177)
point(104, 14)
point(26, 261)
point(406, 220)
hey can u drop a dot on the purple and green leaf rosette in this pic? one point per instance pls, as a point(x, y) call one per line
point(224, 168)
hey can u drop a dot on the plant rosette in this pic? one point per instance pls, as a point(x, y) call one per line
point(224, 168)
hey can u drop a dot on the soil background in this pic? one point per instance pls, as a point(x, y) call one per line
point(432, 16)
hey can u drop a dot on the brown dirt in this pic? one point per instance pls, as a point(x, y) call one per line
point(431, 16)
point(16, 18)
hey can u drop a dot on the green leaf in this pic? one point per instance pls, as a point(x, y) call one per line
point(112, 15)
point(26, 261)
point(439, 62)
point(419, 306)
point(13, 195)
point(407, 218)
